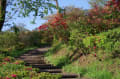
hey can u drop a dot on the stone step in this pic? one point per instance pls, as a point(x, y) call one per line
point(37, 53)
point(67, 75)
point(43, 66)
point(34, 62)
point(31, 59)
point(70, 78)
point(38, 56)
point(51, 70)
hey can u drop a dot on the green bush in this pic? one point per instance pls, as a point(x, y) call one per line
point(15, 69)
point(108, 41)
point(8, 41)
point(34, 38)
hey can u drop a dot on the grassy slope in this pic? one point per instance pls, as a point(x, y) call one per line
point(101, 67)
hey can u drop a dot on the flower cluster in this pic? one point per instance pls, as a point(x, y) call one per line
point(58, 21)
point(104, 18)
point(7, 59)
point(43, 27)
point(55, 22)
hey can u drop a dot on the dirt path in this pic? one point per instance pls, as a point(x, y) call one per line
point(35, 58)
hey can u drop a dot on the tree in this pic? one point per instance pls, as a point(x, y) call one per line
point(25, 8)
point(2, 12)
point(57, 6)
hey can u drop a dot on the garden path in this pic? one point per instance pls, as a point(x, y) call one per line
point(35, 58)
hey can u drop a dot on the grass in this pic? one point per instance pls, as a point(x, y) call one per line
point(59, 61)
point(96, 70)
point(54, 49)
point(92, 71)
point(16, 53)
point(74, 69)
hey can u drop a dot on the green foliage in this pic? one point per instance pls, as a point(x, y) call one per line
point(37, 8)
point(48, 76)
point(101, 74)
point(59, 61)
point(17, 53)
point(76, 38)
point(54, 49)
point(109, 41)
point(15, 69)
point(8, 41)
point(74, 69)
point(30, 38)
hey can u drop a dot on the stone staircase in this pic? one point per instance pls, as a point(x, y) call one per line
point(35, 58)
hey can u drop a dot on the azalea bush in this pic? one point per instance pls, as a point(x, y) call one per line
point(57, 27)
point(104, 18)
point(107, 41)
point(15, 69)
point(93, 37)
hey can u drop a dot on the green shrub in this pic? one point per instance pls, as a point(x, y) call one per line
point(108, 41)
point(34, 38)
point(8, 41)
point(15, 69)
point(56, 47)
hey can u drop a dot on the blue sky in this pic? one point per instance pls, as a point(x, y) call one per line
point(62, 3)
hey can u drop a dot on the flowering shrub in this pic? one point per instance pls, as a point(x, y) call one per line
point(43, 27)
point(108, 41)
point(11, 69)
point(107, 17)
point(57, 27)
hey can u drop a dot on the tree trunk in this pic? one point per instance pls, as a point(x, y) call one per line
point(2, 12)
point(57, 5)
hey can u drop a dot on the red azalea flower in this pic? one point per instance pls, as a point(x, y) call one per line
point(16, 62)
point(4, 63)
point(43, 27)
point(95, 55)
point(14, 75)
point(94, 47)
point(8, 78)
point(28, 69)
point(6, 59)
